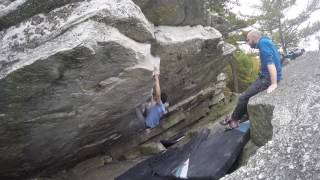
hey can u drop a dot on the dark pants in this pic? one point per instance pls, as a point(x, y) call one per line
point(259, 85)
point(140, 117)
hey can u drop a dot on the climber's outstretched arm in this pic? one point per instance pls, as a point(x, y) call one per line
point(157, 93)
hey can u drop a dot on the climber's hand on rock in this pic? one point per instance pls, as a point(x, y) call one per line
point(271, 88)
point(155, 76)
point(156, 72)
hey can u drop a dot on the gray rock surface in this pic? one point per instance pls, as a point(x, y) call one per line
point(20, 40)
point(191, 59)
point(293, 151)
point(70, 80)
point(15, 11)
point(74, 99)
point(182, 12)
point(102, 168)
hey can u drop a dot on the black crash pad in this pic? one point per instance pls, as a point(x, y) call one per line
point(209, 156)
point(173, 140)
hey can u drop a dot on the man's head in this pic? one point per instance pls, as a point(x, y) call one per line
point(164, 97)
point(253, 38)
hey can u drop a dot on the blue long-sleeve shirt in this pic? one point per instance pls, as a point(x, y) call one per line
point(269, 55)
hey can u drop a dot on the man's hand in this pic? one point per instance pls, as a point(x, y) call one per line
point(273, 77)
point(155, 77)
point(157, 91)
point(156, 71)
point(271, 88)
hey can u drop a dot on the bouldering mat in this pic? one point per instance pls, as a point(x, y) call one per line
point(206, 156)
point(173, 140)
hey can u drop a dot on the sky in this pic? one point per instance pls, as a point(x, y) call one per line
point(247, 8)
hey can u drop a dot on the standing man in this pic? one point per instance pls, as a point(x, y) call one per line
point(269, 76)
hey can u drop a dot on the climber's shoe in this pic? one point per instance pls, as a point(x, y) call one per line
point(232, 124)
point(225, 121)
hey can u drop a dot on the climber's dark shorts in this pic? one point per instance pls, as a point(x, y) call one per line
point(140, 117)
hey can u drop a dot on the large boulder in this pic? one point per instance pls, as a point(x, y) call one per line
point(70, 80)
point(74, 98)
point(19, 41)
point(292, 119)
point(124, 15)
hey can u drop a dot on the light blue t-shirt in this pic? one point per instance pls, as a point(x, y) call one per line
point(154, 115)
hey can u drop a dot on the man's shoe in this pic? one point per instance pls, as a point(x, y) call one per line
point(232, 125)
point(225, 121)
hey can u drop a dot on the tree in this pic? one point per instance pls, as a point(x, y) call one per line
point(223, 8)
point(289, 32)
point(238, 65)
point(318, 38)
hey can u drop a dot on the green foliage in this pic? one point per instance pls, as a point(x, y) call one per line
point(221, 6)
point(310, 29)
point(247, 69)
point(276, 37)
point(238, 23)
point(234, 38)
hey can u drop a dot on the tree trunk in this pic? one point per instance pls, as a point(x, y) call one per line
point(234, 75)
point(283, 43)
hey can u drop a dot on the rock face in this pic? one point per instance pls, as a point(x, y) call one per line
point(182, 12)
point(292, 141)
point(178, 47)
point(72, 73)
point(13, 11)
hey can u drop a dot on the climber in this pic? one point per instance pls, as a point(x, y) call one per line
point(269, 76)
point(151, 112)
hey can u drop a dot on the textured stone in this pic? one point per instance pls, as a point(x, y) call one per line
point(69, 12)
point(152, 148)
point(146, 149)
point(21, 39)
point(182, 12)
point(261, 127)
point(59, 104)
point(163, 12)
point(116, 168)
point(181, 116)
point(293, 151)
point(15, 11)
point(191, 59)
point(59, 85)
point(249, 150)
